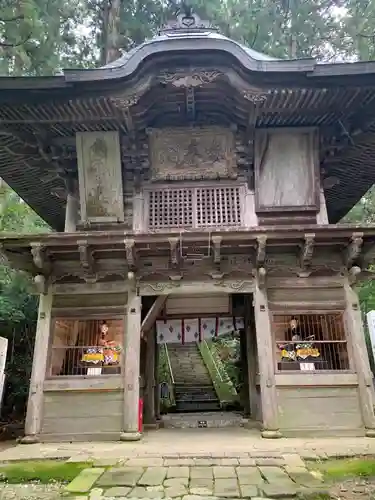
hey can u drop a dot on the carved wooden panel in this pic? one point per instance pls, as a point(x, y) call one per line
point(286, 169)
point(192, 153)
point(100, 180)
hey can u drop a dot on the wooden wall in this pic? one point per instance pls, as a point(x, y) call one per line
point(306, 294)
point(82, 416)
point(319, 411)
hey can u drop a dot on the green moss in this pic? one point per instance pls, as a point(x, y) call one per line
point(43, 471)
point(339, 469)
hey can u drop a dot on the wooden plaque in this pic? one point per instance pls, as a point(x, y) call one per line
point(100, 179)
point(192, 153)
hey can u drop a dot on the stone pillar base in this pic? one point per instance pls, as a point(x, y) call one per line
point(271, 434)
point(370, 433)
point(130, 436)
point(32, 439)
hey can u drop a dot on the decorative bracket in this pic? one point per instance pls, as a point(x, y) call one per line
point(190, 78)
point(86, 258)
point(173, 242)
point(40, 261)
point(130, 253)
point(307, 250)
point(354, 249)
point(216, 240)
point(261, 250)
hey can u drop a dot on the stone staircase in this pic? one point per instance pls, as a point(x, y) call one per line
point(194, 391)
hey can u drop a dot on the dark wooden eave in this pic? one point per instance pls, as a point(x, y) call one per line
point(36, 113)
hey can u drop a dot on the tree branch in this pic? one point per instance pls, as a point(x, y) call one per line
point(18, 44)
point(12, 19)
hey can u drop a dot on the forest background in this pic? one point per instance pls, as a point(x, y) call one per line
point(41, 37)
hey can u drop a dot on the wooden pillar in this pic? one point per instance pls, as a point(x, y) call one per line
point(251, 340)
point(157, 388)
point(149, 396)
point(266, 364)
point(360, 358)
point(244, 394)
point(34, 413)
point(132, 348)
point(71, 213)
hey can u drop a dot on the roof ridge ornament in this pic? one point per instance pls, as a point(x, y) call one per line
point(187, 21)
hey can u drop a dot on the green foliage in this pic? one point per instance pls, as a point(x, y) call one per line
point(43, 471)
point(341, 469)
point(18, 305)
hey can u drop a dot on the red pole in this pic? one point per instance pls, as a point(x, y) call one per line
point(140, 415)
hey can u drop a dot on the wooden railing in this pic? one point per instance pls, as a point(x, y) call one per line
point(171, 381)
point(223, 387)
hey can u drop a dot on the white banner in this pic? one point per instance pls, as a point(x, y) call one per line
point(176, 331)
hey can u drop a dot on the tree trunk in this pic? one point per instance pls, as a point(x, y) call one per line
point(110, 31)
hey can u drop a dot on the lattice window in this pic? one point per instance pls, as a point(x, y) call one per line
point(171, 208)
point(195, 207)
point(86, 347)
point(310, 342)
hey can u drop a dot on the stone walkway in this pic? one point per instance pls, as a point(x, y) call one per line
point(196, 478)
point(187, 464)
point(171, 443)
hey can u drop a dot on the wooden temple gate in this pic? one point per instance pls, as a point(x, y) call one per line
point(163, 179)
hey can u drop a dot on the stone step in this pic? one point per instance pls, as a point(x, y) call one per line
point(215, 419)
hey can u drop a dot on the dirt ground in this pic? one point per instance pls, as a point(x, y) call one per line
point(354, 489)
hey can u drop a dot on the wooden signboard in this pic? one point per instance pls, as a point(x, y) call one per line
point(100, 179)
point(286, 170)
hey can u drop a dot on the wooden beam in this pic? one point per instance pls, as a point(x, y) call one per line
point(153, 313)
point(132, 349)
point(356, 335)
point(354, 249)
point(34, 416)
point(264, 336)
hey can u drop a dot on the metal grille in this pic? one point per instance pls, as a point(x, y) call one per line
point(80, 348)
point(171, 208)
point(195, 207)
point(218, 207)
point(310, 342)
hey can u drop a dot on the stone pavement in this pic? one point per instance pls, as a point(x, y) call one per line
point(198, 478)
point(171, 443)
